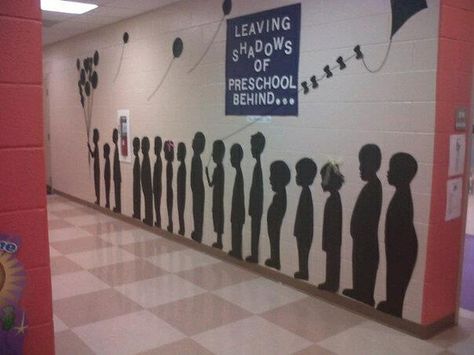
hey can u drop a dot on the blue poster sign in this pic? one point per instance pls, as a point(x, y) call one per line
point(262, 60)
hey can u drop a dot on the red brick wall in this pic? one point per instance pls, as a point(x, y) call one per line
point(454, 84)
point(22, 181)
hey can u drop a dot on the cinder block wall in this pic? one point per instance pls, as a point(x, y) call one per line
point(22, 181)
point(396, 109)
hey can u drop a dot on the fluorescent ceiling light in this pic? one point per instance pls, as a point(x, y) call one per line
point(67, 7)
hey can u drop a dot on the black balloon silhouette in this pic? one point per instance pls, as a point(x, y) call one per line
point(181, 186)
point(217, 183)
point(227, 7)
point(177, 47)
point(280, 176)
point(402, 10)
point(364, 228)
point(94, 80)
point(78, 63)
point(125, 39)
point(157, 185)
point(137, 193)
point(237, 214)
point(197, 186)
point(306, 171)
point(332, 181)
point(96, 58)
point(107, 174)
point(117, 176)
point(257, 142)
point(95, 155)
point(401, 244)
point(146, 182)
point(169, 156)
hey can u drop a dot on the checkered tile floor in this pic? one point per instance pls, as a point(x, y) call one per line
point(118, 289)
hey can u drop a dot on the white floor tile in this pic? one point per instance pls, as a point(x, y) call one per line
point(251, 336)
point(75, 283)
point(87, 220)
point(259, 295)
point(182, 260)
point(101, 257)
point(374, 338)
point(128, 334)
point(464, 348)
point(69, 233)
point(470, 216)
point(59, 325)
point(160, 290)
point(60, 206)
point(128, 237)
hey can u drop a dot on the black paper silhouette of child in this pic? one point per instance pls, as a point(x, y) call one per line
point(280, 176)
point(332, 181)
point(364, 228)
point(137, 190)
point(146, 182)
point(257, 142)
point(237, 214)
point(107, 174)
point(117, 176)
point(306, 171)
point(181, 186)
point(197, 186)
point(169, 156)
point(95, 155)
point(217, 183)
point(401, 244)
point(157, 186)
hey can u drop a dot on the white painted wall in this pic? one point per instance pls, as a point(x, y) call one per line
point(394, 109)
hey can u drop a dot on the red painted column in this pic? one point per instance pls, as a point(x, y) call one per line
point(454, 84)
point(22, 181)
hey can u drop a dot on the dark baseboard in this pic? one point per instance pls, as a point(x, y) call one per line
point(406, 326)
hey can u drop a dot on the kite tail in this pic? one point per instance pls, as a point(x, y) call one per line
point(379, 68)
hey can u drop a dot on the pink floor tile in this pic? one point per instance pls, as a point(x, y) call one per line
point(200, 313)
point(92, 307)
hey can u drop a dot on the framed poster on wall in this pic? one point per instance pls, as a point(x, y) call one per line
point(124, 137)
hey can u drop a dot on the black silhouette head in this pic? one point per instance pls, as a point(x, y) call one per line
point(136, 145)
point(370, 159)
point(403, 168)
point(257, 142)
point(115, 136)
point(306, 171)
point(236, 155)
point(181, 151)
point(106, 150)
point(145, 145)
point(169, 151)
point(218, 151)
point(199, 142)
point(95, 136)
point(280, 175)
point(331, 177)
point(158, 145)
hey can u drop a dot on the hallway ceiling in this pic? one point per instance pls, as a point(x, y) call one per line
point(58, 26)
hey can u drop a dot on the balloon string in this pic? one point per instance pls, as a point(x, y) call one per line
point(162, 80)
point(233, 134)
point(376, 70)
point(120, 63)
point(208, 47)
